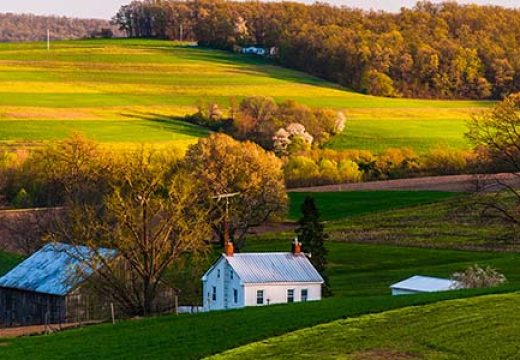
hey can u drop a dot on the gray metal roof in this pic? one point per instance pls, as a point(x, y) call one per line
point(273, 267)
point(426, 284)
point(55, 269)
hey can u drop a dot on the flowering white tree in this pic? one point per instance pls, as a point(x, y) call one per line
point(340, 123)
point(283, 138)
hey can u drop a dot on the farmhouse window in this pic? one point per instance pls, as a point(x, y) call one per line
point(235, 296)
point(290, 295)
point(214, 296)
point(260, 297)
point(305, 294)
point(218, 273)
point(231, 274)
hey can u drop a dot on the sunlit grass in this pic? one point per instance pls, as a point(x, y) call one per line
point(95, 80)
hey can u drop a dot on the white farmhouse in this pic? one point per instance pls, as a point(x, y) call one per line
point(423, 284)
point(257, 279)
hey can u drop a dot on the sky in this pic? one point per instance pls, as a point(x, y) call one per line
point(105, 9)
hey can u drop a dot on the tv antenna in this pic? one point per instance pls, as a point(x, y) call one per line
point(226, 217)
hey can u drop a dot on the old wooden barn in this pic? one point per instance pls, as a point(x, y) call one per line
point(48, 288)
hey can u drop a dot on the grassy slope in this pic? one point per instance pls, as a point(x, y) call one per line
point(448, 224)
point(338, 205)
point(135, 82)
point(458, 329)
point(8, 261)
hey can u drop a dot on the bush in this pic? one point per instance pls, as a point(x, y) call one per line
point(445, 161)
point(477, 277)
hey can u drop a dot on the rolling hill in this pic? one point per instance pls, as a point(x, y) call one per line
point(132, 91)
point(458, 329)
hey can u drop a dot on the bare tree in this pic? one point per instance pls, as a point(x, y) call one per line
point(150, 215)
point(496, 137)
point(24, 231)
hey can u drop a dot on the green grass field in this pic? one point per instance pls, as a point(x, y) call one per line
point(485, 327)
point(360, 276)
point(340, 205)
point(129, 91)
point(450, 223)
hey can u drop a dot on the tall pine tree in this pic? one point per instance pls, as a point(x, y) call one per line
point(311, 234)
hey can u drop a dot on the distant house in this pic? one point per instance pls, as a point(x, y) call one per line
point(257, 279)
point(423, 284)
point(47, 287)
point(254, 50)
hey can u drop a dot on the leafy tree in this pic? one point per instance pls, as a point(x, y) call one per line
point(225, 166)
point(311, 233)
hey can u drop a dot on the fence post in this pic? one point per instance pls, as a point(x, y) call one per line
point(176, 304)
point(113, 314)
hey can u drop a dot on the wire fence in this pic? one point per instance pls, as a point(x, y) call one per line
point(29, 309)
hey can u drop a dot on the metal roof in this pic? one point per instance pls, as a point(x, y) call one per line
point(426, 284)
point(280, 267)
point(55, 269)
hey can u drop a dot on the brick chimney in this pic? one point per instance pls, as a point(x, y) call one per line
point(296, 247)
point(229, 249)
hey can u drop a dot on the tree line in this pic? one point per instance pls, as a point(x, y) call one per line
point(431, 51)
point(28, 27)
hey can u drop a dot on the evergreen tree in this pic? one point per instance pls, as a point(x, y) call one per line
point(311, 234)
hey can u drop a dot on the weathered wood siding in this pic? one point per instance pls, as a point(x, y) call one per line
point(21, 308)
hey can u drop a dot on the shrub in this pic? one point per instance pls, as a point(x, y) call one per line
point(301, 171)
point(348, 171)
point(445, 161)
point(478, 277)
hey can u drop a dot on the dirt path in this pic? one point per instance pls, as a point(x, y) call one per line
point(454, 183)
point(37, 329)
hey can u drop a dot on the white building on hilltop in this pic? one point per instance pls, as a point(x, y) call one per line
point(424, 284)
point(256, 279)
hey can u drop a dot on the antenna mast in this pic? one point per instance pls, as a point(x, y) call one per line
point(226, 216)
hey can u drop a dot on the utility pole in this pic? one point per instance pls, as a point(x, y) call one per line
point(48, 39)
point(181, 32)
point(226, 216)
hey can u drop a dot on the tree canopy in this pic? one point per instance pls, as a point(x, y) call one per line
point(223, 165)
point(433, 50)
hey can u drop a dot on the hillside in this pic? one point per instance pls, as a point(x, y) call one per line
point(360, 276)
point(132, 91)
point(458, 329)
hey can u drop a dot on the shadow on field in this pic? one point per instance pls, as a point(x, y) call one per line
point(165, 123)
point(253, 65)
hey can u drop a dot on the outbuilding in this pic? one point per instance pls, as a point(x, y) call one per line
point(47, 287)
point(237, 280)
point(423, 284)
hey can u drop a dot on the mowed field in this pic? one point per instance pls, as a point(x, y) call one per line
point(132, 91)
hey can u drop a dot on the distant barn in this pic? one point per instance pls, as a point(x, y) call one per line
point(423, 284)
point(47, 288)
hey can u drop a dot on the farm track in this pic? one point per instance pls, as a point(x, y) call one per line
point(453, 183)
point(38, 329)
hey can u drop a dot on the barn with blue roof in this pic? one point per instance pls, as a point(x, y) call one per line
point(47, 286)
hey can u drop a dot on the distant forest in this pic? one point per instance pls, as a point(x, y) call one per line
point(27, 27)
point(446, 51)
